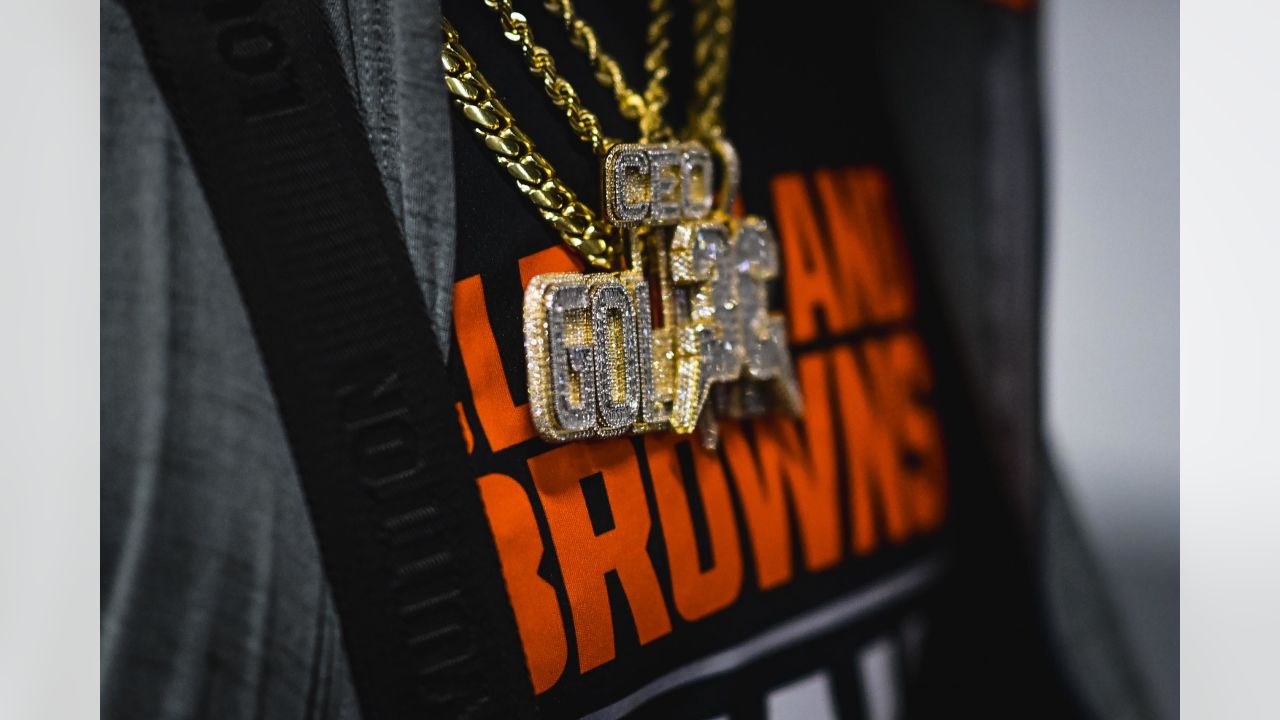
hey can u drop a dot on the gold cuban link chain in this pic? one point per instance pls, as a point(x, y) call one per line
point(713, 33)
point(666, 374)
point(577, 225)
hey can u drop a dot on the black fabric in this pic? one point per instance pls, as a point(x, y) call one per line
point(260, 97)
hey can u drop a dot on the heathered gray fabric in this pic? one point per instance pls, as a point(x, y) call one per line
point(392, 52)
point(213, 600)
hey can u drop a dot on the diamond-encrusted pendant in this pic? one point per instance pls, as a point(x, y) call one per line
point(766, 358)
point(597, 364)
point(657, 184)
point(726, 336)
point(589, 352)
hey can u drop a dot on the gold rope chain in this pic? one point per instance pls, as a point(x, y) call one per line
point(631, 104)
point(577, 225)
point(647, 108)
point(585, 124)
point(713, 34)
point(717, 328)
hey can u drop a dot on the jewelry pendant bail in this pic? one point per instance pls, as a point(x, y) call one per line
point(730, 172)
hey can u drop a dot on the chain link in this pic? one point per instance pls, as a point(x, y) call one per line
point(713, 29)
point(585, 124)
point(646, 108)
point(652, 126)
point(713, 35)
point(577, 225)
point(631, 103)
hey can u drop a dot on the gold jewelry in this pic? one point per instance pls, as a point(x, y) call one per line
point(763, 357)
point(713, 35)
point(585, 124)
point(654, 182)
point(646, 108)
point(652, 126)
point(576, 223)
point(631, 104)
point(596, 365)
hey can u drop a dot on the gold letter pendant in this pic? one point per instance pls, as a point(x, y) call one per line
point(657, 184)
point(597, 365)
point(589, 353)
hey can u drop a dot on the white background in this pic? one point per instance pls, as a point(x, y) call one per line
point(49, 359)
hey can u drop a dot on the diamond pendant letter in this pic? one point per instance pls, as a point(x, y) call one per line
point(589, 355)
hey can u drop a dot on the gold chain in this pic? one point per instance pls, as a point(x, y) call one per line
point(577, 225)
point(713, 34)
point(652, 126)
point(585, 124)
point(646, 108)
point(631, 103)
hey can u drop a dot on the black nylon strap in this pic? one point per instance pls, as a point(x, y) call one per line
point(264, 108)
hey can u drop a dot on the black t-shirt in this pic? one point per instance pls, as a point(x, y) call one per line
point(807, 568)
